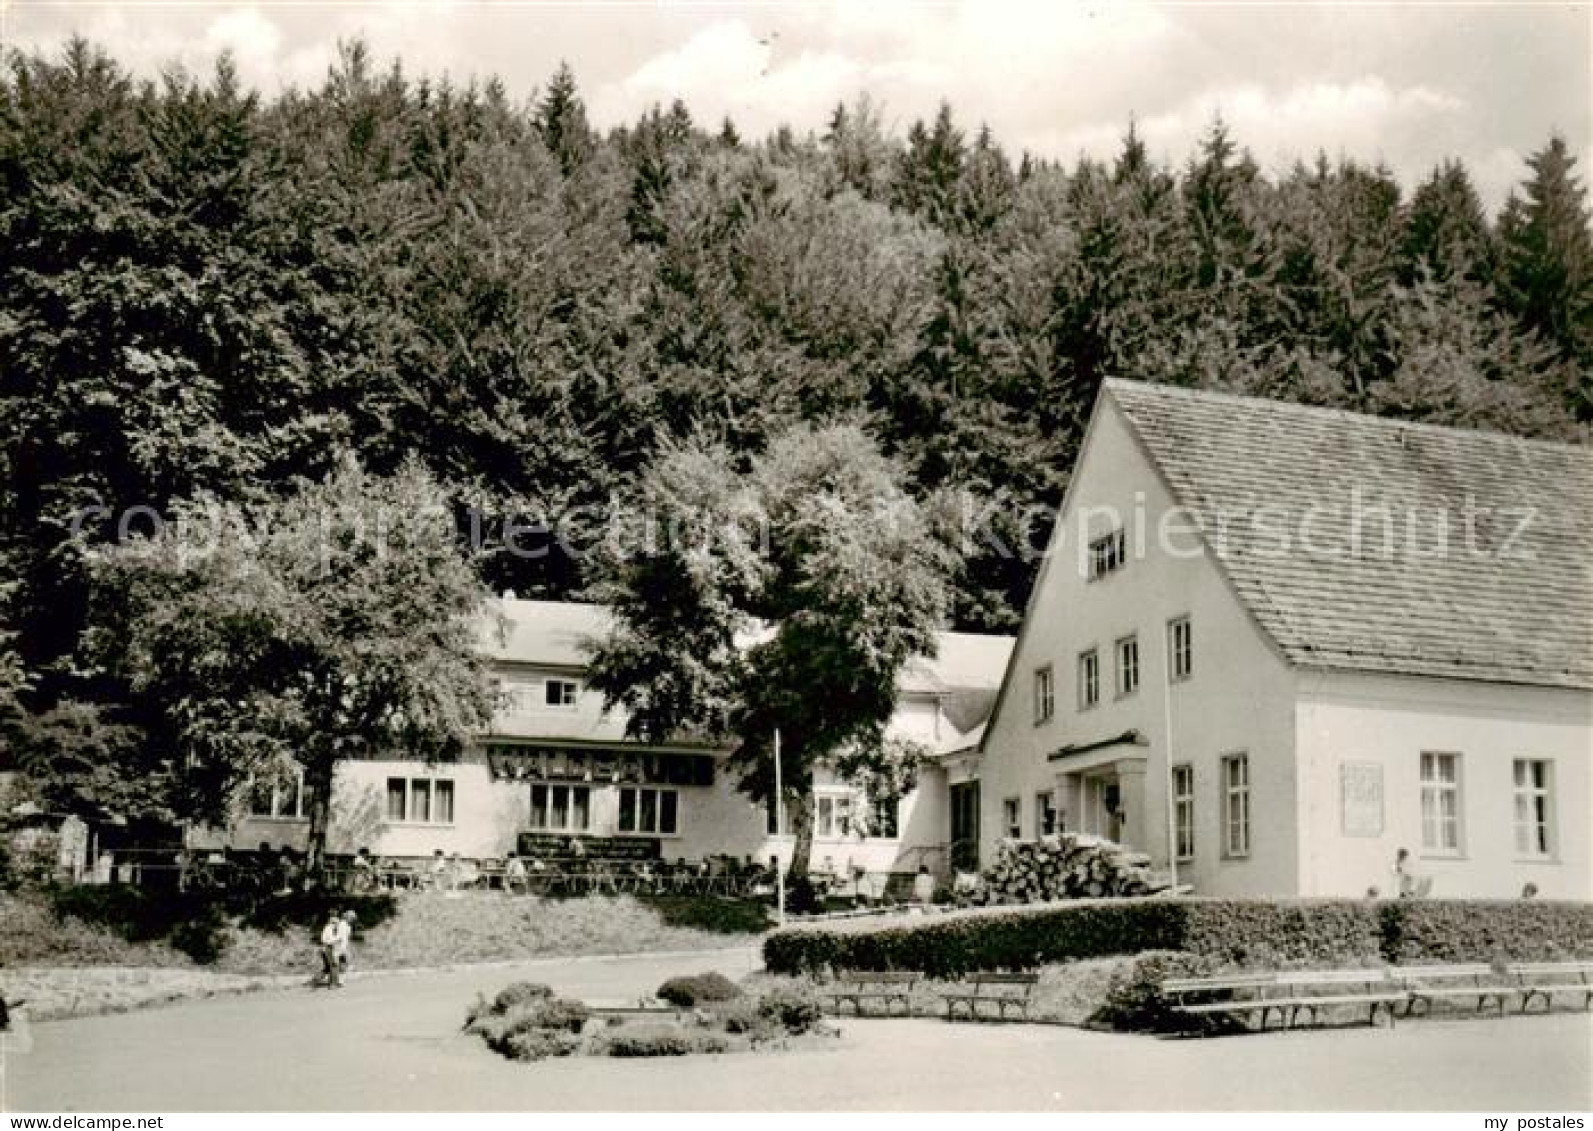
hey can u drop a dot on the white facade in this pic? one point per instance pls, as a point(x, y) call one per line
point(556, 764)
point(1293, 781)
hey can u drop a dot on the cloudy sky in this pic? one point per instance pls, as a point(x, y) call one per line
point(1407, 84)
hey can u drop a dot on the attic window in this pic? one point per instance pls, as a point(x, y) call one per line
point(1108, 553)
point(562, 692)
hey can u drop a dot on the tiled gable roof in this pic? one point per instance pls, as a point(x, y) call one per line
point(1506, 597)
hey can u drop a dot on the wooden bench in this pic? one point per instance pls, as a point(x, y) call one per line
point(1290, 994)
point(1004, 991)
point(1545, 979)
point(1426, 984)
point(859, 986)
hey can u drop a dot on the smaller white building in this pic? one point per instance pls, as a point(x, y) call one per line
point(555, 764)
point(1272, 645)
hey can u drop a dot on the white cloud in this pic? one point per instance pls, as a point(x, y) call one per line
point(1365, 118)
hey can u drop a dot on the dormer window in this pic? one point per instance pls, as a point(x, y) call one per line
point(561, 692)
point(1108, 553)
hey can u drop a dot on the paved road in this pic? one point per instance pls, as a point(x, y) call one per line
point(391, 1042)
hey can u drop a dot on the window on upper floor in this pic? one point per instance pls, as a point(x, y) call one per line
point(1180, 649)
point(1044, 694)
point(561, 692)
point(1089, 679)
point(1128, 665)
point(1108, 553)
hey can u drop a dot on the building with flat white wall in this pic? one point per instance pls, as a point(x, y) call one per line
point(1273, 644)
point(556, 764)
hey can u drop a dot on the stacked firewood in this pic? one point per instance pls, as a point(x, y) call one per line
point(1066, 866)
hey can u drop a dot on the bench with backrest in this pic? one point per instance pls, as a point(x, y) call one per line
point(1545, 979)
point(1004, 991)
point(1461, 981)
point(859, 986)
point(1290, 994)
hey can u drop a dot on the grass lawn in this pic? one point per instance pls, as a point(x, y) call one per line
point(66, 966)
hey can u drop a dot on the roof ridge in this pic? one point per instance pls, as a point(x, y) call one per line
point(1189, 392)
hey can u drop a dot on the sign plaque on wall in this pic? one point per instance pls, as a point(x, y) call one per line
point(1363, 798)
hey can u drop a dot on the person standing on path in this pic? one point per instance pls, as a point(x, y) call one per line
point(330, 934)
point(344, 946)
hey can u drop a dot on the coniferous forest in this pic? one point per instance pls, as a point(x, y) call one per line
point(204, 291)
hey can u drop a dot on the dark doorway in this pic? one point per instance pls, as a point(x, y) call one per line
point(965, 827)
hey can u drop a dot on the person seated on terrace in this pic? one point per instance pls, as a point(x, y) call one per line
point(363, 877)
point(514, 874)
point(437, 874)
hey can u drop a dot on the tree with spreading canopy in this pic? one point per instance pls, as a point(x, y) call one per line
point(281, 638)
point(783, 596)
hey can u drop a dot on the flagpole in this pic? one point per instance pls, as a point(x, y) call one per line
point(1167, 744)
point(779, 828)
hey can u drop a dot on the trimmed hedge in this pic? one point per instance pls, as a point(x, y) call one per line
point(698, 989)
point(1230, 932)
point(1431, 930)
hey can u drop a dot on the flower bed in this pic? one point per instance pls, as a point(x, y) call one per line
point(526, 1021)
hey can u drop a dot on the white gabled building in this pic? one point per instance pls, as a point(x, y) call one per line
point(555, 764)
point(1292, 640)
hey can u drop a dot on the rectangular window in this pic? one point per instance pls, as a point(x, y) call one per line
point(1089, 679)
point(1108, 553)
point(561, 692)
point(1236, 805)
point(1440, 802)
point(833, 816)
point(1534, 807)
point(1180, 650)
point(1044, 813)
point(1184, 810)
point(1128, 665)
point(420, 801)
point(560, 808)
point(772, 814)
point(280, 800)
point(1012, 818)
point(1044, 694)
point(884, 817)
point(644, 810)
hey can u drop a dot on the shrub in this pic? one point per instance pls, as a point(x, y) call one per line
point(744, 1015)
point(698, 989)
point(795, 1009)
point(648, 1040)
point(1278, 934)
point(715, 914)
point(1434, 930)
point(1134, 998)
point(520, 993)
point(538, 1044)
point(553, 1013)
point(1022, 938)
